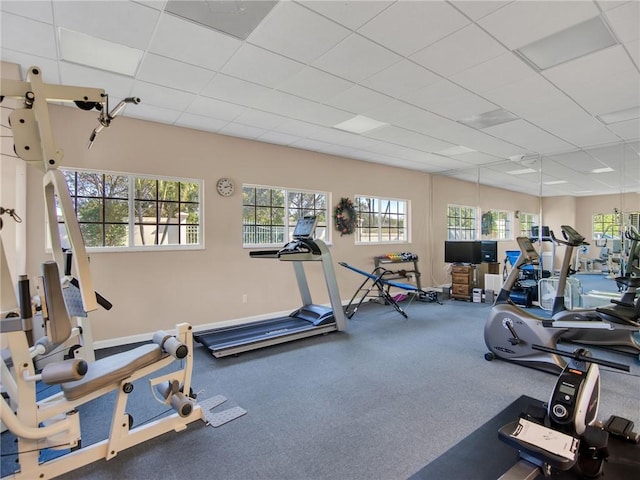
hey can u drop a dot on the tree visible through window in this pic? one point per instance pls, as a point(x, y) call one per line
point(269, 214)
point(119, 210)
point(381, 220)
point(606, 226)
point(461, 223)
point(496, 225)
point(527, 220)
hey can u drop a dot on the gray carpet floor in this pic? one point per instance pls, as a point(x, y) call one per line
point(379, 401)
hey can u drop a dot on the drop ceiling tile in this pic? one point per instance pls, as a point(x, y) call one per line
point(595, 68)
point(259, 119)
point(297, 128)
point(356, 58)
point(243, 131)
point(521, 23)
point(261, 66)
point(190, 43)
point(448, 99)
point(296, 32)
point(35, 10)
point(358, 99)
point(125, 23)
point(278, 138)
point(406, 27)
point(625, 21)
point(493, 74)
point(463, 49)
point(48, 66)
point(315, 85)
point(606, 97)
point(316, 145)
point(405, 115)
point(634, 51)
point(477, 158)
point(174, 74)
point(210, 107)
point(160, 96)
point(27, 36)
point(400, 78)
point(629, 130)
point(532, 94)
point(157, 4)
point(577, 161)
point(298, 108)
point(152, 113)
point(198, 122)
point(234, 90)
point(528, 136)
point(476, 9)
point(574, 126)
point(113, 84)
point(401, 136)
point(350, 14)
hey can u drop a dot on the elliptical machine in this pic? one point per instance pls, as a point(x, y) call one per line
point(565, 434)
point(511, 331)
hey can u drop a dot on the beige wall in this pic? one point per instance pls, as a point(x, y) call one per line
point(152, 290)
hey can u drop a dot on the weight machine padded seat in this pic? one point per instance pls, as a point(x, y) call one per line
point(112, 369)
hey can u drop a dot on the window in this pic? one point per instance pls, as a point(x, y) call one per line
point(116, 210)
point(381, 220)
point(527, 220)
point(269, 214)
point(606, 226)
point(496, 225)
point(461, 223)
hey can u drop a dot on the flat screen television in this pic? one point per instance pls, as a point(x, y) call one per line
point(535, 232)
point(489, 251)
point(463, 251)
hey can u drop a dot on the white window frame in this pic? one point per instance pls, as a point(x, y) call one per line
point(502, 233)
point(130, 247)
point(530, 219)
point(456, 232)
point(323, 230)
point(380, 221)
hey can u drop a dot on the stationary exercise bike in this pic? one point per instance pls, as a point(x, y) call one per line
point(565, 435)
point(510, 331)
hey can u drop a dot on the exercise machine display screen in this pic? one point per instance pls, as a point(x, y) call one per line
point(526, 247)
point(305, 227)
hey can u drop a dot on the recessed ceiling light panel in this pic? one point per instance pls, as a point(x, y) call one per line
point(555, 182)
point(522, 171)
point(359, 124)
point(573, 42)
point(620, 115)
point(97, 53)
point(451, 151)
point(602, 170)
point(489, 119)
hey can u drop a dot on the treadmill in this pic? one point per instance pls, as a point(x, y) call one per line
point(306, 321)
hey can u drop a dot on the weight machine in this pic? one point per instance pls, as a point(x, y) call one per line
point(54, 422)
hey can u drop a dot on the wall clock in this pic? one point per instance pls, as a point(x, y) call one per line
point(225, 187)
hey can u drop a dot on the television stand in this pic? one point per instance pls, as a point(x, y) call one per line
point(464, 278)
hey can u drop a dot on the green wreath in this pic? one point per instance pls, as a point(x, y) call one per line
point(345, 217)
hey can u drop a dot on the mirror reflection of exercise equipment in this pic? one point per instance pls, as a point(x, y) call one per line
point(510, 330)
point(42, 423)
point(308, 320)
point(566, 435)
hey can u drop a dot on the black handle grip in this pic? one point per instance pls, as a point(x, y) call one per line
point(103, 302)
point(576, 355)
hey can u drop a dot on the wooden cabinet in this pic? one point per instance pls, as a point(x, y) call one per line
point(463, 281)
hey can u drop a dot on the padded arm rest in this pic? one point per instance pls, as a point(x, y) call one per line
point(67, 371)
point(170, 344)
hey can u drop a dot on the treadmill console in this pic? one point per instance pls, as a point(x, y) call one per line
point(573, 237)
point(305, 227)
point(527, 249)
